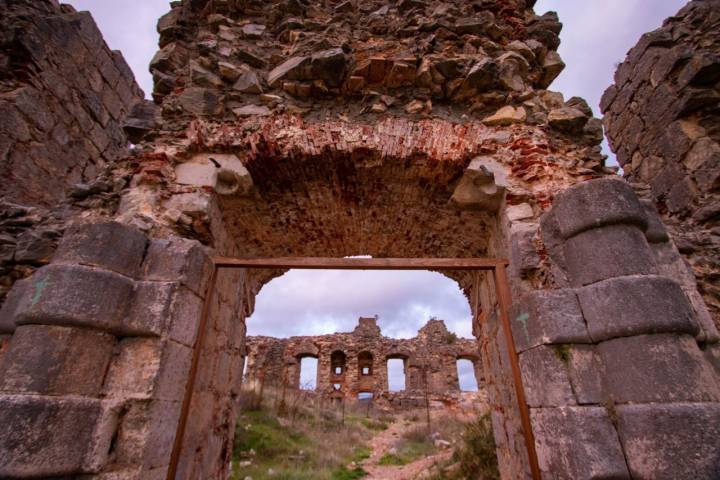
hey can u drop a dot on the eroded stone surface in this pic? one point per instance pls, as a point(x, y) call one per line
point(578, 441)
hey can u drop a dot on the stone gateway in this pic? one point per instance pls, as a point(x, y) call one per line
point(389, 128)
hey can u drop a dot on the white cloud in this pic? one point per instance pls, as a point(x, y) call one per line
point(314, 302)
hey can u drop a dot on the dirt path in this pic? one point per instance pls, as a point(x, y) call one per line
point(384, 442)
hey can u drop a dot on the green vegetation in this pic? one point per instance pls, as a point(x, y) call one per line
point(414, 444)
point(376, 425)
point(303, 443)
point(475, 457)
point(563, 353)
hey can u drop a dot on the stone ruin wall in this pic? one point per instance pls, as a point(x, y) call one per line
point(429, 357)
point(663, 121)
point(64, 96)
point(379, 128)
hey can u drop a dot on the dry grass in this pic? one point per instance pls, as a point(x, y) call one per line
point(297, 436)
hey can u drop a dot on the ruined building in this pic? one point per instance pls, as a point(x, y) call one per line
point(389, 128)
point(357, 362)
point(662, 120)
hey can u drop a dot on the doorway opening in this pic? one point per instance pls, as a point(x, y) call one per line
point(396, 374)
point(308, 373)
point(467, 381)
point(365, 358)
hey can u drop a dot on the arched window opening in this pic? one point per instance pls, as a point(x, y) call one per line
point(308, 373)
point(365, 364)
point(338, 363)
point(466, 375)
point(337, 387)
point(396, 374)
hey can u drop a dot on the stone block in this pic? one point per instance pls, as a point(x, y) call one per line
point(174, 371)
point(76, 296)
point(149, 368)
point(482, 185)
point(545, 377)
point(150, 305)
point(146, 434)
point(184, 316)
point(636, 305)
point(548, 317)
point(657, 368)
point(671, 441)
point(134, 369)
point(51, 360)
point(9, 309)
point(47, 436)
point(607, 252)
point(163, 307)
point(178, 260)
point(586, 372)
point(524, 254)
point(113, 246)
point(656, 231)
point(597, 203)
point(577, 442)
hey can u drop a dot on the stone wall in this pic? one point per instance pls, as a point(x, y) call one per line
point(430, 364)
point(98, 348)
point(63, 99)
point(663, 122)
point(391, 129)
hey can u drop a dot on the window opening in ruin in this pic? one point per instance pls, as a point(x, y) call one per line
point(337, 362)
point(466, 375)
point(308, 373)
point(365, 364)
point(365, 396)
point(396, 374)
point(337, 387)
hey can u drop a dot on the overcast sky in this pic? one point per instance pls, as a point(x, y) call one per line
point(596, 36)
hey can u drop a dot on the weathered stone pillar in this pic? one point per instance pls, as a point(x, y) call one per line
point(324, 371)
point(617, 384)
point(95, 371)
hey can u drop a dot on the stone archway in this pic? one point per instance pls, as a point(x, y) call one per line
point(471, 157)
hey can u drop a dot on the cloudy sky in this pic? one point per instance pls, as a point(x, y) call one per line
point(596, 37)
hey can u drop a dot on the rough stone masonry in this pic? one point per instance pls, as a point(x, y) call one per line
point(663, 120)
point(357, 362)
point(405, 128)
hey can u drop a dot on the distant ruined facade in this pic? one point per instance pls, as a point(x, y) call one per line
point(357, 362)
point(330, 128)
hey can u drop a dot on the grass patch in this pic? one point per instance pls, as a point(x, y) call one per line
point(308, 441)
point(376, 425)
point(361, 453)
point(343, 473)
point(563, 353)
point(414, 444)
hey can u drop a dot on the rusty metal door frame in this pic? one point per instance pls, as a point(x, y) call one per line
point(498, 268)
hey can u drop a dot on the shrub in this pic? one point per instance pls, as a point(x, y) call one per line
point(476, 455)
